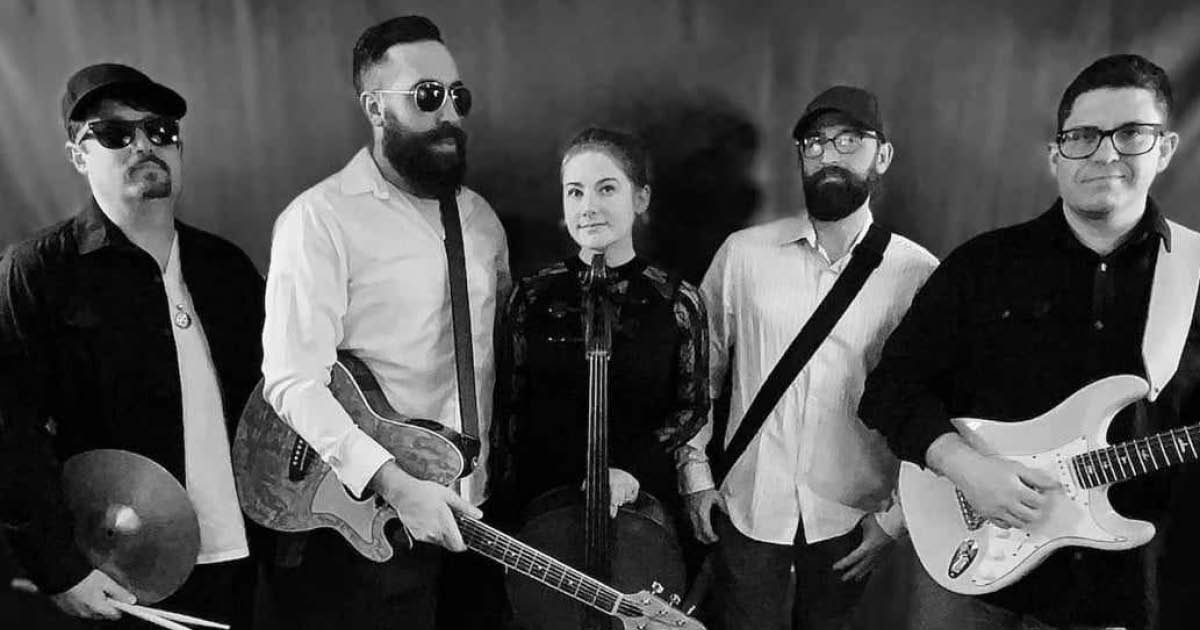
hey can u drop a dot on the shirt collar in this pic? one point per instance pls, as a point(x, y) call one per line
point(94, 230)
point(174, 271)
point(361, 175)
point(800, 229)
point(796, 228)
point(1152, 224)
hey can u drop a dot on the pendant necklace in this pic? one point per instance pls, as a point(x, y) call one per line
point(182, 319)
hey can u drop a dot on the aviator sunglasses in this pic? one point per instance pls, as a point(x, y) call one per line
point(429, 96)
point(118, 134)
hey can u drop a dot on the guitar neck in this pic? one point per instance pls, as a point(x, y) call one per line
point(559, 576)
point(1127, 460)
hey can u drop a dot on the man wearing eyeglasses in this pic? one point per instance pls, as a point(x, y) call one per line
point(125, 328)
point(1017, 319)
point(813, 490)
point(359, 262)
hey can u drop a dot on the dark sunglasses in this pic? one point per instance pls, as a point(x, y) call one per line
point(430, 96)
point(118, 134)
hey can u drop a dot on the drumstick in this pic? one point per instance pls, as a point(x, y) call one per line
point(137, 611)
point(182, 618)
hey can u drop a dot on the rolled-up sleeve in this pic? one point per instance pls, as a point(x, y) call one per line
point(695, 471)
point(307, 297)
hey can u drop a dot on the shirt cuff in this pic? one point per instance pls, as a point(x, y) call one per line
point(359, 458)
point(934, 424)
point(892, 521)
point(693, 470)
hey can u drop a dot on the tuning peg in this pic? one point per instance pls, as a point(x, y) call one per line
point(674, 599)
point(656, 588)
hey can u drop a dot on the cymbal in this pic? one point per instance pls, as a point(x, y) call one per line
point(133, 521)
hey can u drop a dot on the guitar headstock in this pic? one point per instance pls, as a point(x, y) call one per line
point(652, 613)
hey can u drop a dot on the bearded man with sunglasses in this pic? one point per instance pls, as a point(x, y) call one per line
point(361, 262)
point(1018, 319)
point(812, 490)
point(125, 328)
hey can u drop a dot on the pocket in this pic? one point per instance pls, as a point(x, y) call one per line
point(1009, 330)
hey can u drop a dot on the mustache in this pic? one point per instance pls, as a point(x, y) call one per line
point(152, 159)
point(830, 172)
point(445, 131)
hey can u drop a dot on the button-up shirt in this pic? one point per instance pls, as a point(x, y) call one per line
point(1012, 323)
point(359, 265)
point(763, 285)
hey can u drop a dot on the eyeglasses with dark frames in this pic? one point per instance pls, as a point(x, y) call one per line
point(1078, 143)
point(845, 143)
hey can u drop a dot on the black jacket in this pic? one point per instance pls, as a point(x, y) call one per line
point(87, 360)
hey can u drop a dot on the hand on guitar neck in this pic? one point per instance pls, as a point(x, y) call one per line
point(1003, 491)
point(426, 508)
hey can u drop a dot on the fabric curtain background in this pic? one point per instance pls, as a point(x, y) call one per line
point(968, 89)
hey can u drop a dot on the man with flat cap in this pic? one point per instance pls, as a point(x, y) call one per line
point(807, 485)
point(124, 328)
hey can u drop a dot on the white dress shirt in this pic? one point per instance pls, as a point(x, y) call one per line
point(359, 265)
point(208, 468)
point(763, 285)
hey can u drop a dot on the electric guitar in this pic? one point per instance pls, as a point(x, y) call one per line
point(968, 554)
point(284, 486)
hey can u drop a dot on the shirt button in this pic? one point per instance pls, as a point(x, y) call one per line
point(1098, 325)
point(1103, 267)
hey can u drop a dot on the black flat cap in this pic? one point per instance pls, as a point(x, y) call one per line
point(112, 79)
point(857, 104)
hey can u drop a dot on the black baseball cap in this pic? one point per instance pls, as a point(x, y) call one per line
point(857, 104)
point(114, 79)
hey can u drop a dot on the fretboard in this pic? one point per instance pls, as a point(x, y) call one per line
point(526, 560)
point(1135, 458)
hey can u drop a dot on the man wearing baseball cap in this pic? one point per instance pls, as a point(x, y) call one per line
point(124, 328)
point(811, 490)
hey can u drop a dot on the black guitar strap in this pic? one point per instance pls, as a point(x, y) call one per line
point(864, 259)
point(460, 315)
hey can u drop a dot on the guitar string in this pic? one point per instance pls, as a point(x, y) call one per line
point(542, 566)
point(1090, 466)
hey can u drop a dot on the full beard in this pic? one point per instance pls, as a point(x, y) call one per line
point(833, 192)
point(430, 173)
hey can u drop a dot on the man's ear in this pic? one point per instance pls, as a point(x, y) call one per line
point(372, 106)
point(883, 159)
point(75, 155)
point(1052, 158)
point(1166, 149)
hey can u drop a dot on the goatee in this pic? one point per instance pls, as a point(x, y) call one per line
point(833, 192)
point(430, 172)
point(151, 185)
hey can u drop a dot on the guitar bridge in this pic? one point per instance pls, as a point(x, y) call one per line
point(299, 461)
point(972, 518)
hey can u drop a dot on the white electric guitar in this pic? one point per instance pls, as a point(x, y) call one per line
point(967, 554)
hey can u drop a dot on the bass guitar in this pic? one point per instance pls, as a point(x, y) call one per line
point(967, 554)
point(284, 486)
